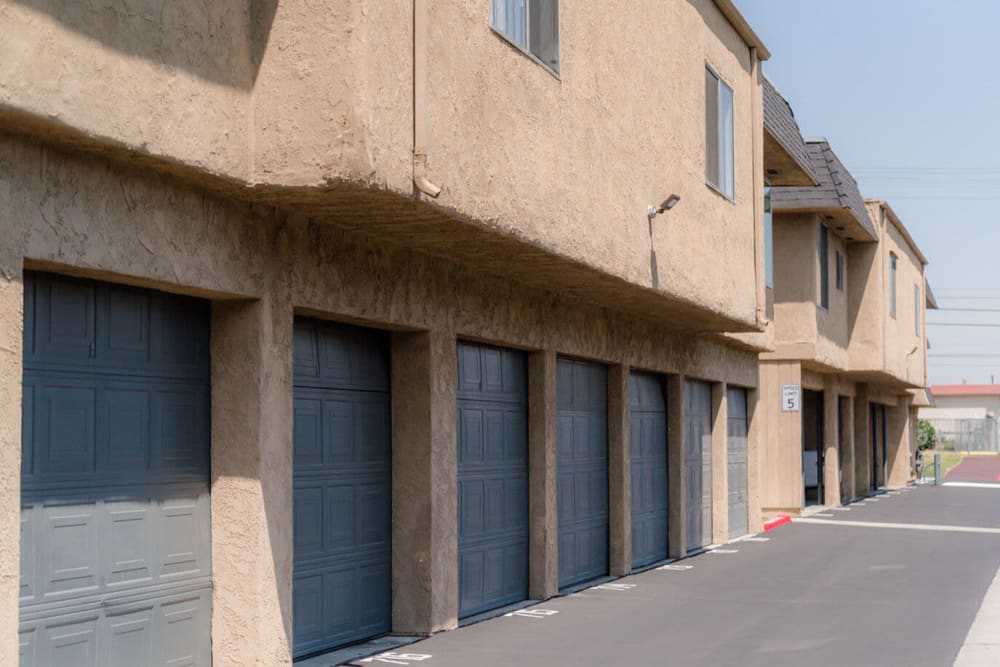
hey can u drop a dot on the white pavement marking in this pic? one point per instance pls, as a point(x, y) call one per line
point(756, 539)
point(533, 613)
point(841, 509)
point(982, 644)
point(615, 587)
point(903, 526)
point(824, 516)
point(392, 658)
point(675, 568)
point(974, 485)
point(724, 551)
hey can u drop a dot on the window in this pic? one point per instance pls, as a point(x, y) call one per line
point(768, 240)
point(916, 309)
point(839, 268)
point(719, 151)
point(824, 266)
point(893, 261)
point(532, 26)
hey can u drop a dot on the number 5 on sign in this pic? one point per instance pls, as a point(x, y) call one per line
point(791, 398)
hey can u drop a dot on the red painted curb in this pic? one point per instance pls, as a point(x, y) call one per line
point(779, 520)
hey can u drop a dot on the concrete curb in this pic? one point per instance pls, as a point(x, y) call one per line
point(777, 521)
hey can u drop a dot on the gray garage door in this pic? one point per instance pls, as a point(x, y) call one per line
point(738, 426)
point(115, 542)
point(649, 469)
point(698, 463)
point(342, 584)
point(582, 397)
point(492, 478)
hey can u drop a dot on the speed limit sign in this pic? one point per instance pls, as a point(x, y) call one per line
point(791, 398)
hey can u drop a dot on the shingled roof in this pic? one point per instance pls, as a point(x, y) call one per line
point(779, 122)
point(837, 195)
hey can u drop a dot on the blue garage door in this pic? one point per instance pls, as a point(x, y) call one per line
point(738, 427)
point(342, 583)
point(115, 517)
point(649, 469)
point(492, 478)
point(582, 397)
point(698, 463)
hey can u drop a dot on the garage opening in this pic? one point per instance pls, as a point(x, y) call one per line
point(492, 478)
point(812, 448)
point(698, 463)
point(879, 454)
point(342, 583)
point(115, 518)
point(738, 426)
point(648, 415)
point(582, 434)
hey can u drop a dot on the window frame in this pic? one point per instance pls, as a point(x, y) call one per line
point(526, 49)
point(893, 268)
point(917, 297)
point(823, 253)
point(839, 271)
point(719, 187)
point(768, 239)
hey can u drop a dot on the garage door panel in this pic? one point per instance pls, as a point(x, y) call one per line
point(648, 449)
point(342, 485)
point(582, 462)
point(492, 477)
point(737, 429)
point(698, 463)
point(114, 484)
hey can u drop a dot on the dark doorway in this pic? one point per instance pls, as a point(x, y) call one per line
point(812, 448)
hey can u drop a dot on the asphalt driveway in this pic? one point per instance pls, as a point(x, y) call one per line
point(848, 589)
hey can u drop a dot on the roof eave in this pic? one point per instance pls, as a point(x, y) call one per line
point(898, 224)
point(743, 28)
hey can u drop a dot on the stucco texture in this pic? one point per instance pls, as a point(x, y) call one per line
point(88, 216)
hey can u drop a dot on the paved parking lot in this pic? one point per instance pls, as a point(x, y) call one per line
point(848, 588)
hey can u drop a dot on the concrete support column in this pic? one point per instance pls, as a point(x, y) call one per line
point(755, 413)
point(720, 464)
point(847, 438)
point(252, 482)
point(619, 471)
point(862, 442)
point(831, 446)
point(543, 538)
point(424, 482)
point(676, 429)
point(11, 360)
point(898, 443)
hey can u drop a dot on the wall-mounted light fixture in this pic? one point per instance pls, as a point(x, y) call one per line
point(666, 205)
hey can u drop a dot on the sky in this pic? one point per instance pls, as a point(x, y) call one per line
point(908, 94)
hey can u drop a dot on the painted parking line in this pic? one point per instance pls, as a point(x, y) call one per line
point(982, 645)
point(532, 613)
point(756, 539)
point(675, 568)
point(840, 509)
point(393, 658)
point(824, 516)
point(723, 551)
point(902, 526)
point(614, 587)
point(974, 485)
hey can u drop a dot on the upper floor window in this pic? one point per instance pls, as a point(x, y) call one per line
point(532, 26)
point(839, 268)
point(893, 261)
point(824, 266)
point(719, 151)
point(916, 309)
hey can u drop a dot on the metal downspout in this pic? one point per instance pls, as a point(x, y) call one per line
point(420, 101)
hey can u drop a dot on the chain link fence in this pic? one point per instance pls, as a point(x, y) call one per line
point(966, 435)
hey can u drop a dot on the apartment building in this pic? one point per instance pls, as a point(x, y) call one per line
point(318, 323)
point(848, 344)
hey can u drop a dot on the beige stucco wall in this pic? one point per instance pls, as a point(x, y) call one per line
point(781, 440)
point(905, 348)
point(991, 403)
point(88, 216)
point(293, 99)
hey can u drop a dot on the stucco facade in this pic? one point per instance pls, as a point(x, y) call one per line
point(260, 156)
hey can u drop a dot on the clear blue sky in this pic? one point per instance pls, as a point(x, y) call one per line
point(908, 94)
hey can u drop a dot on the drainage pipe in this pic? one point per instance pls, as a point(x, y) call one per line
point(420, 179)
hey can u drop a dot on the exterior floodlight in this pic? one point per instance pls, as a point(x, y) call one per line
point(666, 205)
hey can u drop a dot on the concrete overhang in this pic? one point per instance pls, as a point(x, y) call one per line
point(882, 378)
point(840, 220)
point(743, 28)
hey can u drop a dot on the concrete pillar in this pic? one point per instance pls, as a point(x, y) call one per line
point(755, 413)
point(676, 429)
point(543, 538)
point(252, 482)
point(619, 471)
point(11, 359)
point(831, 446)
point(862, 442)
point(898, 443)
point(720, 464)
point(847, 440)
point(424, 482)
